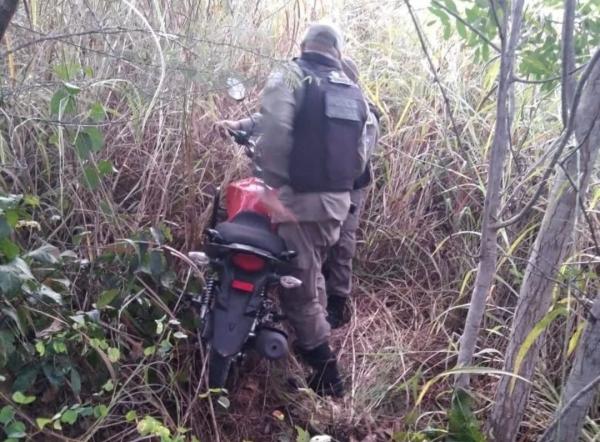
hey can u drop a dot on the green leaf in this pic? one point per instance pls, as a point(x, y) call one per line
point(59, 347)
point(100, 411)
point(463, 370)
point(12, 217)
point(96, 138)
point(302, 435)
point(113, 354)
point(31, 200)
point(13, 274)
point(451, 5)
point(15, 430)
point(462, 30)
point(160, 326)
point(26, 378)
point(149, 351)
point(67, 70)
point(47, 292)
point(41, 422)
point(87, 141)
point(9, 249)
point(462, 423)
point(131, 416)
point(69, 417)
point(97, 112)
point(22, 399)
point(40, 347)
point(83, 145)
point(108, 386)
point(535, 332)
point(157, 263)
point(105, 167)
point(75, 381)
point(10, 201)
point(7, 413)
point(7, 341)
point(62, 102)
point(46, 254)
point(179, 335)
point(106, 297)
point(92, 179)
point(575, 338)
point(5, 229)
point(78, 319)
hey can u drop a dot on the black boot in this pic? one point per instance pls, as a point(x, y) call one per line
point(338, 311)
point(325, 380)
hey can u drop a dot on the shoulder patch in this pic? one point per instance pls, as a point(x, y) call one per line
point(340, 78)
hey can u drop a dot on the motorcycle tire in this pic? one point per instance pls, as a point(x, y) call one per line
point(219, 369)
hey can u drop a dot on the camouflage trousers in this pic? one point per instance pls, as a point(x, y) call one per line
point(338, 266)
point(305, 306)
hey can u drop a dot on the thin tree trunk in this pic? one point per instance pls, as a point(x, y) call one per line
point(552, 245)
point(488, 249)
point(7, 10)
point(586, 369)
point(568, 59)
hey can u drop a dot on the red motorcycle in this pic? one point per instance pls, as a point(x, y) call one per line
point(246, 262)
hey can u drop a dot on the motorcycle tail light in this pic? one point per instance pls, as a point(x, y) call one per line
point(242, 286)
point(247, 262)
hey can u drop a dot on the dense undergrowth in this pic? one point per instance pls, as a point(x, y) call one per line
point(107, 164)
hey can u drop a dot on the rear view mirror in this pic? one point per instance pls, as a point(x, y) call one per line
point(236, 89)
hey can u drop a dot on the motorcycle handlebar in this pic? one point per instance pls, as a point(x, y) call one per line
point(243, 139)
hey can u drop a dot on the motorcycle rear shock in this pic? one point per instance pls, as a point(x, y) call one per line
point(207, 296)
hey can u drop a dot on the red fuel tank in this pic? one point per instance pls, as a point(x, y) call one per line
point(247, 195)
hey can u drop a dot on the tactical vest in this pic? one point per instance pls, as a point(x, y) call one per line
point(327, 128)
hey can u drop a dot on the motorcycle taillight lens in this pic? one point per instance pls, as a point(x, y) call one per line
point(242, 286)
point(248, 262)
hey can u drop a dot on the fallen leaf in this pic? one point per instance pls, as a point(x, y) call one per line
point(278, 415)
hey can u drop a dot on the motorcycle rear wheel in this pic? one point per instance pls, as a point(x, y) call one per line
point(219, 369)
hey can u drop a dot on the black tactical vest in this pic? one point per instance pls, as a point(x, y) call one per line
point(327, 128)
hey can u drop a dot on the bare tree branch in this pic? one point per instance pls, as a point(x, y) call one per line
point(434, 72)
point(561, 142)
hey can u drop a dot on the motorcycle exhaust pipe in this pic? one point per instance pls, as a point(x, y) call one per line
point(271, 343)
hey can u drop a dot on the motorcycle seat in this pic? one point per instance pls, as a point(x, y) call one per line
point(251, 229)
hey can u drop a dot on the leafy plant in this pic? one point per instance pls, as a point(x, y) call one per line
point(462, 423)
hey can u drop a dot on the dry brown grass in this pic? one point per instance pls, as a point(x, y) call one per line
point(418, 238)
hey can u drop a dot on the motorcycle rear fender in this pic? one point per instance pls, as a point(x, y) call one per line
point(235, 311)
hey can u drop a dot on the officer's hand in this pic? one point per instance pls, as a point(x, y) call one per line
point(224, 126)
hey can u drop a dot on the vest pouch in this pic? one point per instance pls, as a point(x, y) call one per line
point(344, 115)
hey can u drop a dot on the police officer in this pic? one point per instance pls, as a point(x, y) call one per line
point(312, 150)
point(338, 266)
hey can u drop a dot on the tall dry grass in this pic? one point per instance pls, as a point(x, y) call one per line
point(158, 68)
